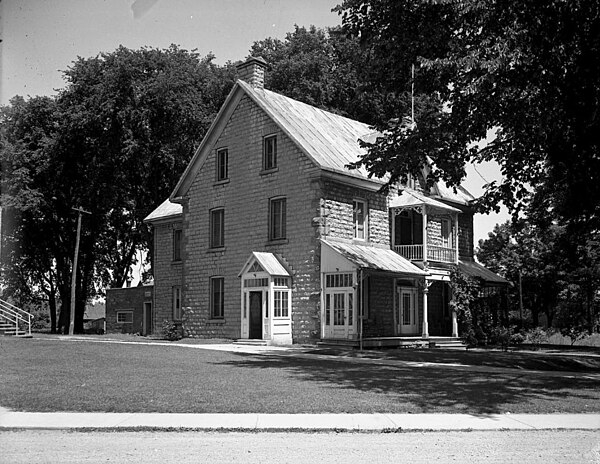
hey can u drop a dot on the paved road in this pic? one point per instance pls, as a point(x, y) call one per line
point(532, 447)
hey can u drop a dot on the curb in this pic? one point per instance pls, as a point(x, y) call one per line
point(384, 423)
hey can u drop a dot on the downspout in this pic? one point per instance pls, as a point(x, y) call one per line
point(361, 313)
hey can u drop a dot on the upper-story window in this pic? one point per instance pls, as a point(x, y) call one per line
point(446, 231)
point(270, 152)
point(222, 164)
point(217, 228)
point(177, 234)
point(359, 217)
point(277, 218)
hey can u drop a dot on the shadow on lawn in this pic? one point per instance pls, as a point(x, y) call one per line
point(439, 389)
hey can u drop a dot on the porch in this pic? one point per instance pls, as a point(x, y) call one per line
point(396, 342)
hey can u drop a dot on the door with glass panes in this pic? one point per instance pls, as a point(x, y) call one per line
point(339, 313)
point(407, 311)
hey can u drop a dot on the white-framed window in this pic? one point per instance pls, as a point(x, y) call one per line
point(217, 228)
point(270, 152)
point(124, 317)
point(446, 231)
point(176, 304)
point(177, 236)
point(281, 296)
point(222, 164)
point(277, 218)
point(217, 297)
point(360, 218)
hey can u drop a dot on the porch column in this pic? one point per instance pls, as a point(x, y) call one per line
point(425, 239)
point(456, 238)
point(425, 290)
point(454, 324)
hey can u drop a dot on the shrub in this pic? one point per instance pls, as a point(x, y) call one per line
point(536, 336)
point(169, 331)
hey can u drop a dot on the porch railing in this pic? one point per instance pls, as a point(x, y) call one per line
point(16, 317)
point(434, 253)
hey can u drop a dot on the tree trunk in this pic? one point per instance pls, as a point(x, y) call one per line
point(52, 304)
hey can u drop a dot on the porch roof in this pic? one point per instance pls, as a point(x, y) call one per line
point(375, 258)
point(269, 262)
point(474, 269)
point(409, 197)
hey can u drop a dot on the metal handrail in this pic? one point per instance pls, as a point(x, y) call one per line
point(8, 310)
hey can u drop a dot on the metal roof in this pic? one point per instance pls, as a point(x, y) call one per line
point(474, 269)
point(375, 258)
point(166, 210)
point(329, 139)
point(409, 197)
point(268, 261)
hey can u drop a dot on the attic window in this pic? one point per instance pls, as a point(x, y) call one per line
point(270, 152)
point(222, 164)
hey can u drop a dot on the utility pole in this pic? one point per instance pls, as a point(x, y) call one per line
point(74, 273)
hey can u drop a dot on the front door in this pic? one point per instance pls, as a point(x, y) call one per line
point(339, 314)
point(255, 315)
point(407, 311)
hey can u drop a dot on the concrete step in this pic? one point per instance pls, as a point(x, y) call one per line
point(250, 341)
point(455, 344)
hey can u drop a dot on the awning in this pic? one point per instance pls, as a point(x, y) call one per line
point(409, 198)
point(473, 269)
point(268, 263)
point(374, 258)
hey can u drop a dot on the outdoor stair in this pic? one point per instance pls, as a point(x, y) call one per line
point(14, 321)
point(447, 344)
point(250, 341)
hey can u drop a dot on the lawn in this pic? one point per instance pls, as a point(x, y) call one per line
point(50, 375)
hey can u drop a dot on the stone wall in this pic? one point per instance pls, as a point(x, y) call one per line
point(167, 273)
point(245, 199)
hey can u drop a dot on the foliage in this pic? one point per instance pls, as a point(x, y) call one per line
point(169, 330)
point(329, 70)
point(114, 141)
point(464, 293)
point(575, 333)
point(529, 71)
point(536, 336)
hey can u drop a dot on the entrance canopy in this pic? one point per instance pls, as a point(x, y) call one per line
point(367, 257)
point(473, 269)
point(260, 261)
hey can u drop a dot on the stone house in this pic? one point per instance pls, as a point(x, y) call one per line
point(268, 235)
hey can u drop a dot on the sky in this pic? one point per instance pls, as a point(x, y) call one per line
point(41, 38)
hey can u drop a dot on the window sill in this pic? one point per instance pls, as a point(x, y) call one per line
point(216, 250)
point(266, 172)
point(216, 321)
point(221, 182)
point(280, 241)
point(176, 262)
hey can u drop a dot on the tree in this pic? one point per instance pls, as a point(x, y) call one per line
point(329, 70)
point(114, 141)
point(530, 71)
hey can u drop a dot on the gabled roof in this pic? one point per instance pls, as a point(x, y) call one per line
point(166, 210)
point(375, 258)
point(474, 269)
point(269, 263)
point(331, 141)
point(409, 197)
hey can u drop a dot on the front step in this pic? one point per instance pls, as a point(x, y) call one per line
point(448, 344)
point(250, 341)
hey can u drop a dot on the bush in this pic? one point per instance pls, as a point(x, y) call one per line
point(536, 336)
point(169, 331)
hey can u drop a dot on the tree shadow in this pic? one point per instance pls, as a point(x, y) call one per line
point(353, 385)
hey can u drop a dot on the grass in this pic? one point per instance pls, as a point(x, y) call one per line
point(49, 375)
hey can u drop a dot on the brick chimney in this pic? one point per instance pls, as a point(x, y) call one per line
point(252, 71)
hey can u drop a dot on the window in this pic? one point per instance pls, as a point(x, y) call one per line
point(217, 294)
point(338, 280)
point(359, 217)
point(222, 164)
point(177, 234)
point(217, 228)
point(124, 317)
point(277, 219)
point(280, 303)
point(446, 231)
point(270, 152)
point(176, 303)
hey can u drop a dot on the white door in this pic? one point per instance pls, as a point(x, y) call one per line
point(407, 311)
point(339, 314)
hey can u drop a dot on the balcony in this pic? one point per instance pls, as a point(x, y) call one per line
point(434, 253)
